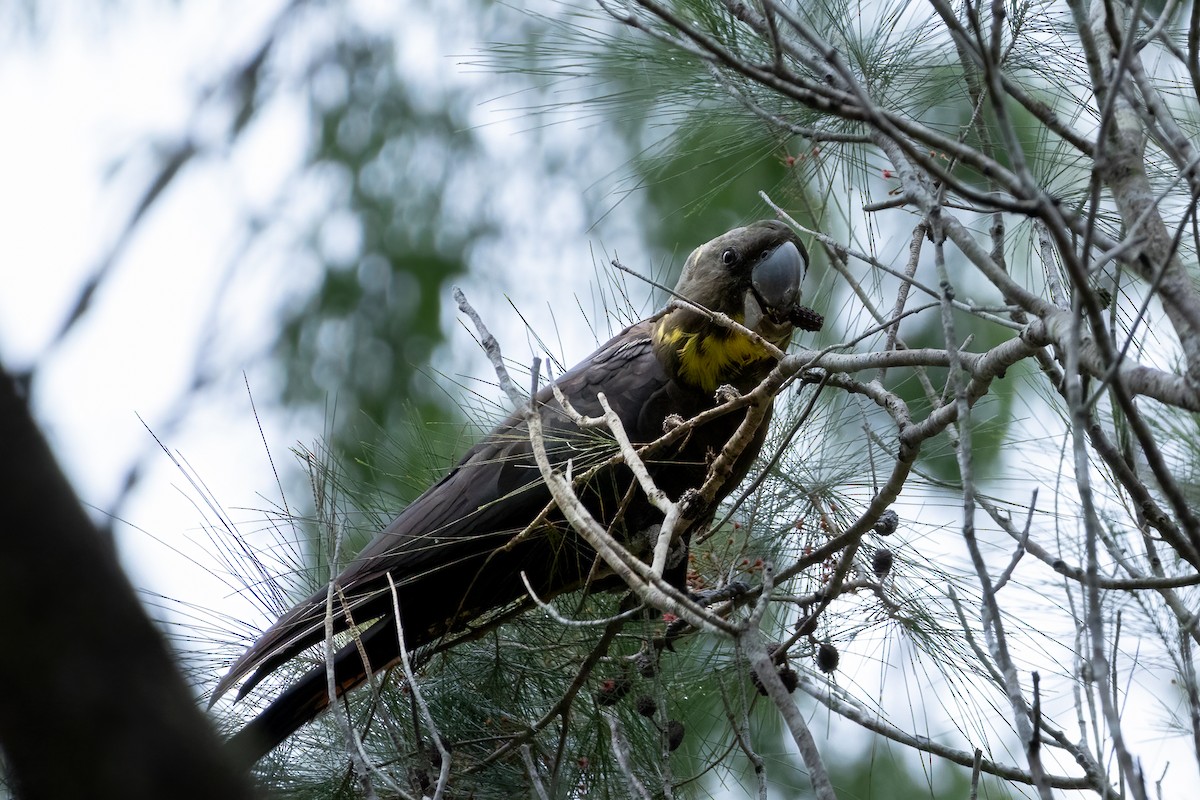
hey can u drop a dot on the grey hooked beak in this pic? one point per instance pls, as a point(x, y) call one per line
point(775, 295)
point(776, 281)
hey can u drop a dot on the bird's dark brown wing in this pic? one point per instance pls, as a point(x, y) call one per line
point(440, 549)
point(446, 551)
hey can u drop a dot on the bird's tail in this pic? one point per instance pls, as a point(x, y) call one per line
point(309, 696)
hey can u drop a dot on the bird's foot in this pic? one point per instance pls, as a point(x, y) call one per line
point(726, 393)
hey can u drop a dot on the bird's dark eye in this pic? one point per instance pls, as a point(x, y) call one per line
point(729, 257)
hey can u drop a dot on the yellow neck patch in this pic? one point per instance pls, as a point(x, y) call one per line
point(712, 356)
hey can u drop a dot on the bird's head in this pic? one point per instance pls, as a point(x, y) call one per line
point(751, 275)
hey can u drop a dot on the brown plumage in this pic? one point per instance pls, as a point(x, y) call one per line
point(447, 550)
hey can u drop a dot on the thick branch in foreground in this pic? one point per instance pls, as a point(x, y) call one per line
point(93, 704)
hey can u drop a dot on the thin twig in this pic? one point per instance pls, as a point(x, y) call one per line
point(419, 698)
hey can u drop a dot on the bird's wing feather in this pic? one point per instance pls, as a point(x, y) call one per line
point(494, 492)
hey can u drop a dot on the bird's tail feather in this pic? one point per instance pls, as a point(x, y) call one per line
point(309, 696)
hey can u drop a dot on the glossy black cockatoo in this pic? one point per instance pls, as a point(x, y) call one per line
point(457, 552)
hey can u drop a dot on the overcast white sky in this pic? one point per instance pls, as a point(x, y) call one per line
point(77, 103)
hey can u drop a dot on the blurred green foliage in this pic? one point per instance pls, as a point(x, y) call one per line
point(390, 247)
